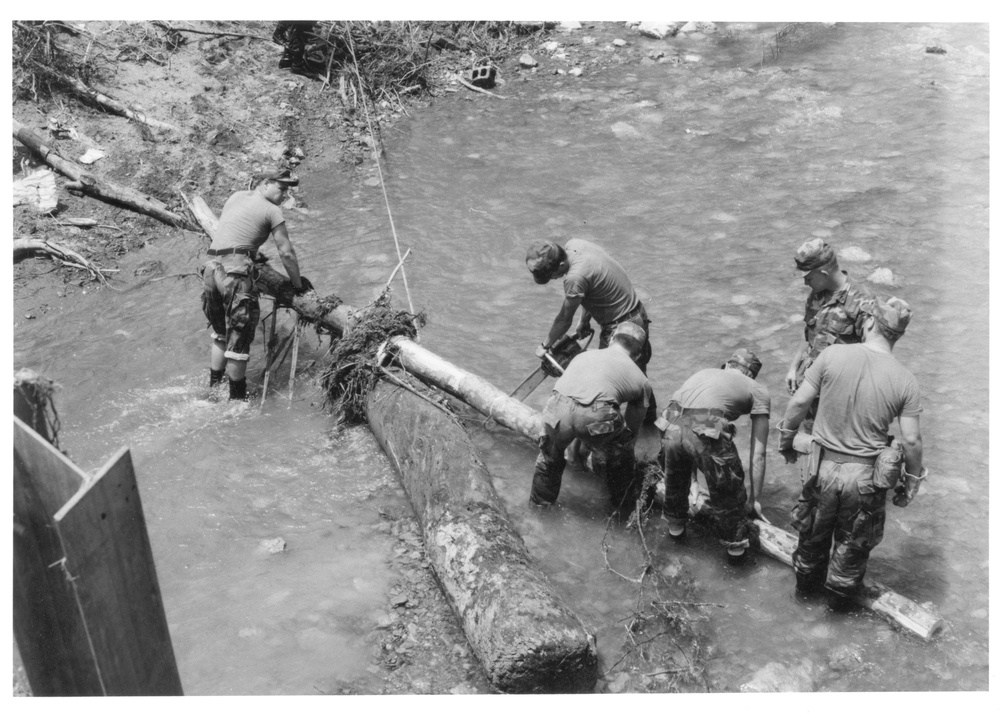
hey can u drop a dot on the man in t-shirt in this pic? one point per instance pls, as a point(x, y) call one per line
point(698, 434)
point(587, 404)
point(229, 297)
point(862, 390)
point(593, 280)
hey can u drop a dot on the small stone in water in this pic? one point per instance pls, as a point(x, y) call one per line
point(882, 275)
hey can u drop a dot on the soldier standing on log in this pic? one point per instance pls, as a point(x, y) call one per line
point(698, 434)
point(586, 404)
point(229, 297)
point(862, 388)
point(833, 310)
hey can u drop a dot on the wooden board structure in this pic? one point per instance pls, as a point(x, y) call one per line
point(89, 619)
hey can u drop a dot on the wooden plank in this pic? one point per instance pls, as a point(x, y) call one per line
point(103, 534)
point(56, 478)
point(48, 628)
point(897, 609)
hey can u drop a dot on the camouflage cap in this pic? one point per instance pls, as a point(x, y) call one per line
point(892, 314)
point(283, 176)
point(630, 329)
point(746, 360)
point(542, 260)
point(813, 254)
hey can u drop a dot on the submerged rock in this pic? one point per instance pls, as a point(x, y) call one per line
point(778, 678)
point(269, 546)
point(853, 254)
point(883, 275)
point(657, 30)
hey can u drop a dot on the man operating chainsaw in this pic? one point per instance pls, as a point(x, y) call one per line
point(593, 280)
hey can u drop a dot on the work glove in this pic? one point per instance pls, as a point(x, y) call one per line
point(786, 443)
point(584, 331)
point(307, 286)
point(541, 350)
point(907, 488)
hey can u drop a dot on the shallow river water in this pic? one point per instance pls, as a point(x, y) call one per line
point(702, 178)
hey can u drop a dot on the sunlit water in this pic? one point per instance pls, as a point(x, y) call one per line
point(702, 179)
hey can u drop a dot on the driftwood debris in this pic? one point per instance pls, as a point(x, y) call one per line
point(26, 248)
point(105, 101)
point(94, 186)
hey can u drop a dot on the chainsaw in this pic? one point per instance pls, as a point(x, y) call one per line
point(554, 362)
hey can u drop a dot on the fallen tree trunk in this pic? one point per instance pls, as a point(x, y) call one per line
point(471, 389)
point(105, 101)
point(92, 185)
point(525, 637)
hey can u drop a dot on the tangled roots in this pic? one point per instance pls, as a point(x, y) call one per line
point(354, 366)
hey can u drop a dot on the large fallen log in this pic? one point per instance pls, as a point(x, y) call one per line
point(471, 389)
point(525, 637)
point(94, 186)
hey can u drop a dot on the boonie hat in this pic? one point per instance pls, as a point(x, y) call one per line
point(630, 329)
point(892, 313)
point(542, 260)
point(284, 176)
point(745, 359)
point(813, 254)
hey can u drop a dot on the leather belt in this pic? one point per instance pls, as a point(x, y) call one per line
point(839, 457)
point(231, 250)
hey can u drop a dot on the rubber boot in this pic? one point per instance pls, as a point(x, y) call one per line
point(238, 389)
point(736, 556)
point(806, 587)
point(676, 528)
point(215, 376)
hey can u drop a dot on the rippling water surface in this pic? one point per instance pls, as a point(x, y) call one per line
point(702, 179)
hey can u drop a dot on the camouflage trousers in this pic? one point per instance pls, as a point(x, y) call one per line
point(686, 449)
point(229, 301)
point(840, 517)
point(566, 420)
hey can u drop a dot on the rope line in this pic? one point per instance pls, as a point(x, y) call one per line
point(378, 165)
point(71, 580)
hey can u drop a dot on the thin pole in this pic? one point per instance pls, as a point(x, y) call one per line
point(270, 346)
point(295, 359)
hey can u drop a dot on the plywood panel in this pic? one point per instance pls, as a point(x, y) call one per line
point(103, 533)
point(48, 626)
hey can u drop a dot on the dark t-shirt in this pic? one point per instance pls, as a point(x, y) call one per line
point(602, 282)
point(732, 392)
point(607, 374)
point(862, 391)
